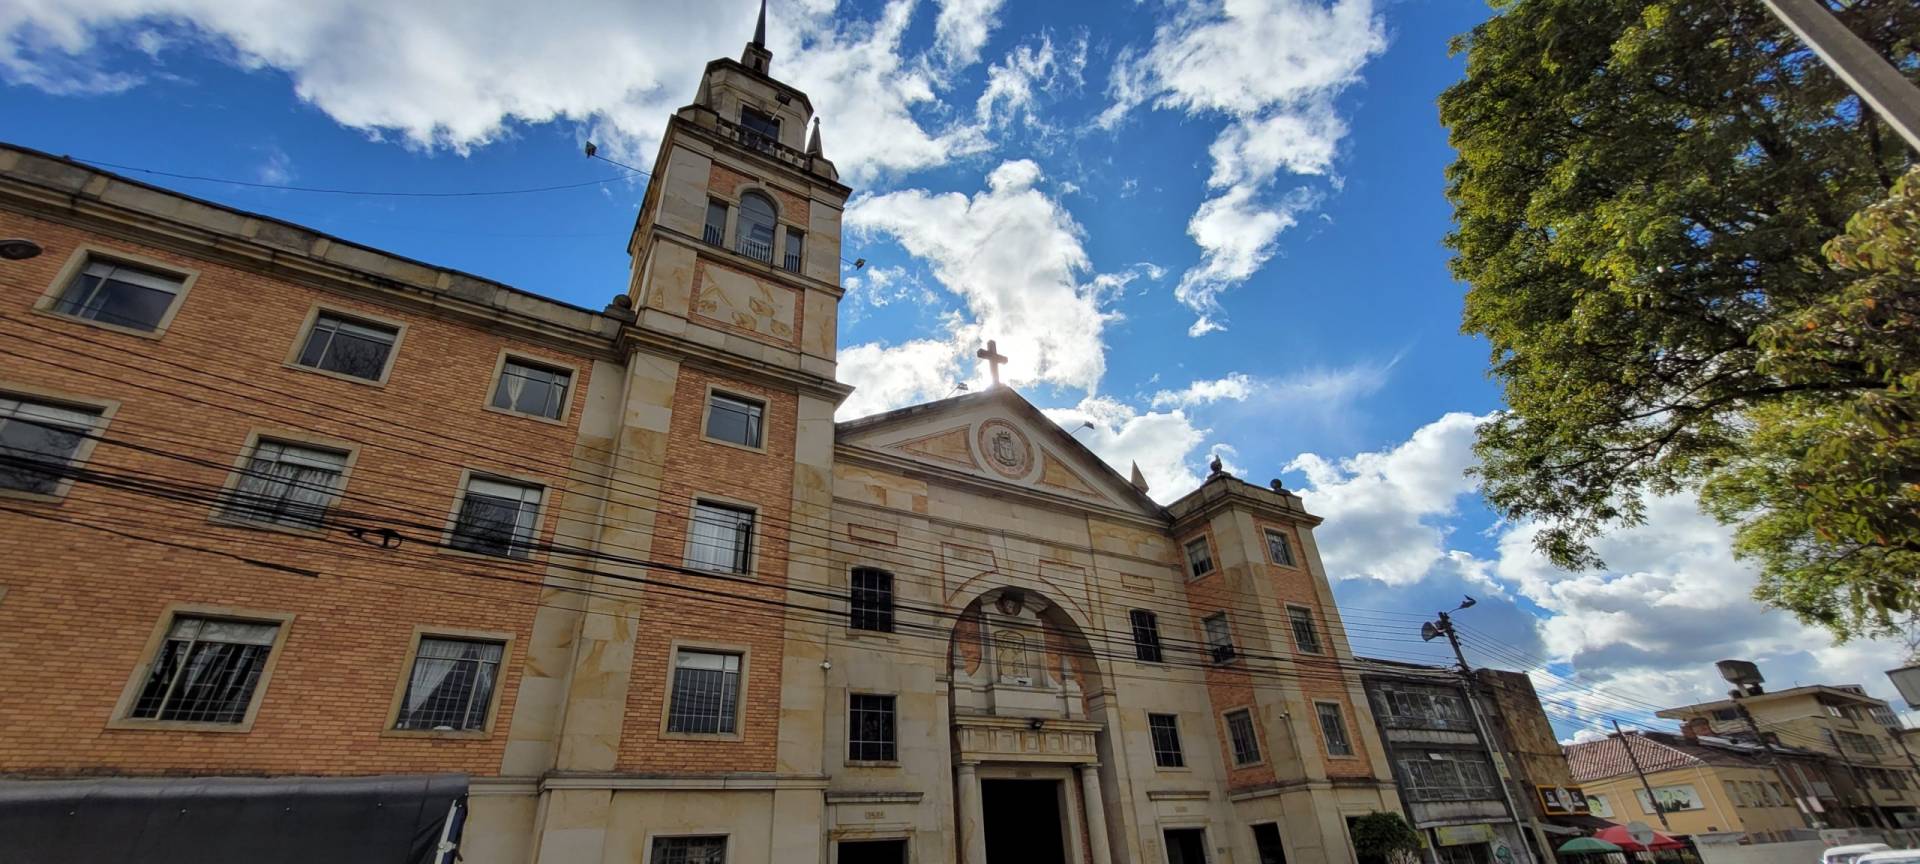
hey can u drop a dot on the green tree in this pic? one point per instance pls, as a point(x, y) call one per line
point(1642, 193)
point(1385, 836)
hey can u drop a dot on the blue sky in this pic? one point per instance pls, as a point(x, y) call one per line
point(1202, 226)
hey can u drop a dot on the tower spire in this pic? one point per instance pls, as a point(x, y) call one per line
point(757, 57)
point(813, 138)
point(760, 29)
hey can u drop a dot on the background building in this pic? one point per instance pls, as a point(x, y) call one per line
point(278, 504)
point(1709, 787)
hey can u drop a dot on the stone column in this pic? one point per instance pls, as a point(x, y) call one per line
point(1096, 812)
point(973, 821)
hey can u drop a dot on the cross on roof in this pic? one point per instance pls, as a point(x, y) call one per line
point(991, 354)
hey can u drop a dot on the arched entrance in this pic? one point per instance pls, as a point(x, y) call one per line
point(1025, 751)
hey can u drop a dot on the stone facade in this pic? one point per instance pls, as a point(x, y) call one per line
point(1045, 622)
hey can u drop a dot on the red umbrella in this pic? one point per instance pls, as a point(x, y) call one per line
point(1618, 836)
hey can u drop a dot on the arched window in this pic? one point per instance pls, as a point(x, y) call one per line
point(754, 231)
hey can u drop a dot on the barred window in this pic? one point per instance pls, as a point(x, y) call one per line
point(689, 850)
point(38, 442)
point(1305, 637)
point(715, 231)
point(287, 484)
point(1146, 636)
point(1334, 727)
point(1246, 743)
point(1199, 557)
point(870, 728)
point(753, 228)
point(532, 389)
point(114, 293)
point(1219, 637)
point(497, 517)
point(706, 693)
point(356, 349)
point(1279, 548)
point(735, 419)
point(450, 687)
point(796, 243)
point(1165, 729)
point(721, 538)
point(206, 671)
point(871, 606)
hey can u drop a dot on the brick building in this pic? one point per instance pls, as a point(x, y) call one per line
point(281, 505)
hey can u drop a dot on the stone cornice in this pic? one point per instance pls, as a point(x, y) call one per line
point(914, 468)
point(1222, 492)
point(713, 359)
point(684, 782)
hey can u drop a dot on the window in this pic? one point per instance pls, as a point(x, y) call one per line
point(1776, 796)
point(706, 693)
point(206, 671)
point(1246, 745)
point(287, 484)
point(1334, 728)
point(796, 243)
point(871, 606)
point(1279, 548)
point(1165, 729)
point(722, 538)
point(735, 420)
point(114, 293)
point(1266, 843)
point(1219, 637)
point(497, 517)
point(1305, 637)
point(1421, 708)
point(40, 443)
point(450, 687)
point(689, 850)
point(351, 348)
point(760, 123)
point(532, 389)
point(1146, 636)
point(870, 728)
point(1672, 799)
point(1733, 793)
point(753, 231)
point(1447, 775)
point(1725, 715)
point(716, 228)
point(1199, 557)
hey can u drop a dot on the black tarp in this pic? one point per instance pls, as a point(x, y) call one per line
point(212, 820)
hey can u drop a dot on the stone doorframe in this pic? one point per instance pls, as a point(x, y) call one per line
point(1021, 748)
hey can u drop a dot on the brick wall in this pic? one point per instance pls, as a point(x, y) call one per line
point(80, 605)
point(744, 618)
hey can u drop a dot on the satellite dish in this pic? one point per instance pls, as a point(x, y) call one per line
point(1428, 632)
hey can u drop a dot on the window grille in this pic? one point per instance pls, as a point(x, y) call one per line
point(497, 517)
point(1279, 548)
point(1146, 636)
point(1165, 729)
point(706, 693)
point(287, 484)
point(715, 231)
point(1305, 637)
point(1219, 637)
point(689, 850)
point(450, 687)
point(205, 671)
point(871, 606)
point(870, 728)
point(1246, 744)
point(1199, 557)
point(796, 243)
point(1334, 727)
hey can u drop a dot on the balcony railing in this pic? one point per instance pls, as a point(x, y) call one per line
point(1450, 793)
point(755, 249)
point(715, 234)
point(1425, 721)
point(793, 262)
point(761, 142)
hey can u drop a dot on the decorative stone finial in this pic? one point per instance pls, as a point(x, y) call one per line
point(1138, 479)
point(813, 139)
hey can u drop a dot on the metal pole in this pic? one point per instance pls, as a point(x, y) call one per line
point(1486, 737)
point(1651, 800)
point(1773, 757)
point(1875, 80)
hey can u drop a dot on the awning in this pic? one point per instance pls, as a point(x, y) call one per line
point(208, 820)
point(1575, 823)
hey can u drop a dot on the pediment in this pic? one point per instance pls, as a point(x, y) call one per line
point(999, 437)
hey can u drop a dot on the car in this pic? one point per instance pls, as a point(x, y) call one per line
point(1851, 853)
point(1890, 856)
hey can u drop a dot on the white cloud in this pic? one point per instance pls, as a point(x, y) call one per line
point(1014, 258)
point(456, 73)
point(1011, 83)
point(276, 169)
point(962, 29)
point(1273, 68)
point(1236, 386)
point(1165, 444)
point(890, 376)
point(1386, 509)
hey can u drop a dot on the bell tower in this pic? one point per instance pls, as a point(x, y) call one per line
point(740, 229)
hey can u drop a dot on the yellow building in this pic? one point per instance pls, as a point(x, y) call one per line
point(1705, 786)
point(1865, 778)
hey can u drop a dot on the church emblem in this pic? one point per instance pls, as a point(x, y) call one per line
point(1006, 449)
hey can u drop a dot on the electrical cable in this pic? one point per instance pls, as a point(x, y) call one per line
point(380, 193)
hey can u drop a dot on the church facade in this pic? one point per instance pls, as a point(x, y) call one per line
point(742, 631)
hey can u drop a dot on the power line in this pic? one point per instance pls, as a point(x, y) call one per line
point(381, 193)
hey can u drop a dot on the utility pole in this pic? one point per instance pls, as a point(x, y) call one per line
point(1872, 78)
point(1651, 800)
point(1773, 756)
point(1444, 627)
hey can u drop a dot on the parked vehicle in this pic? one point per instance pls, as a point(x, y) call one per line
point(1851, 853)
point(1891, 856)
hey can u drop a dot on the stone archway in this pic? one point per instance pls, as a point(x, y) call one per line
point(1021, 668)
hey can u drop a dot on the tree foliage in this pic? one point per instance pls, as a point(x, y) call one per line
point(1642, 194)
point(1385, 836)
